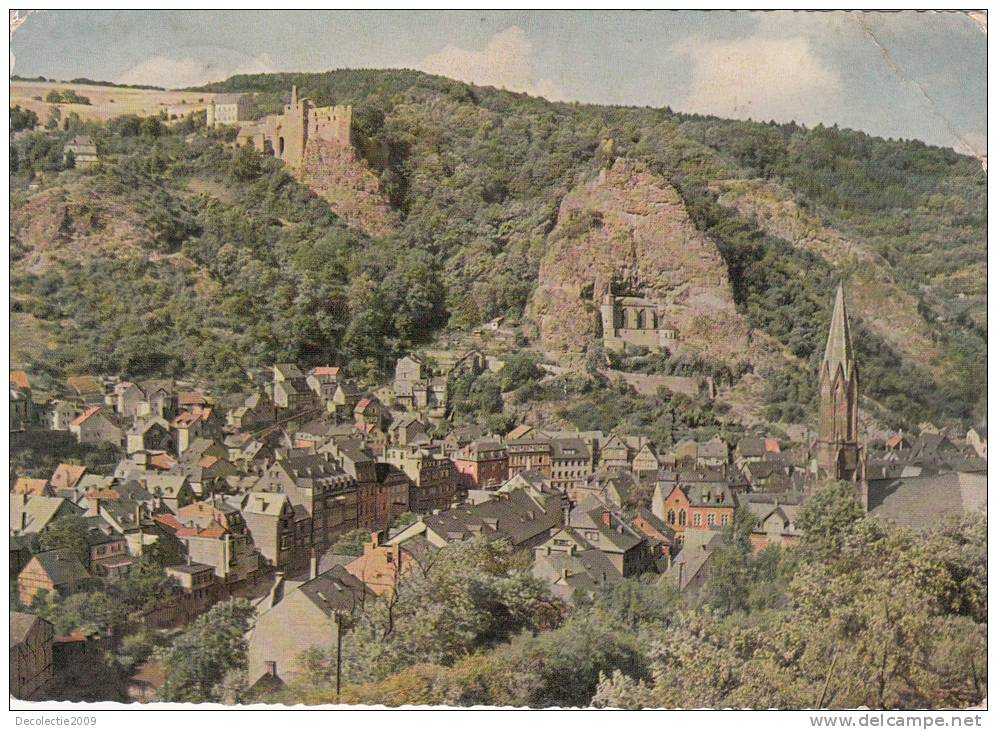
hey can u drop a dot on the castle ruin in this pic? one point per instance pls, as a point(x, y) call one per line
point(286, 135)
point(630, 320)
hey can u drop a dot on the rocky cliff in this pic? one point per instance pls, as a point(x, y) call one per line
point(628, 230)
point(339, 176)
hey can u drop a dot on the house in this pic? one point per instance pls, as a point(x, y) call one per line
point(22, 411)
point(229, 109)
point(656, 530)
point(30, 515)
point(67, 476)
point(313, 611)
point(256, 412)
point(188, 426)
point(198, 589)
point(524, 518)
point(31, 668)
point(107, 550)
point(615, 454)
point(32, 487)
point(693, 507)
point(369, 410)
point(976, 437)
point(531, 452)
point(481, 465)
point(215, 536)
point(354, 458)
point(87, 387)
point(433, 477)
point(54, 571)
point(408, 430)
point(646, 462)
point(345, 398)
point(381, 565)
point(572, 572)
point(82, 150)
point(269, 518)
point(149, 434)
point(611, 486)
point(712, 453)
point(692, 567)
point(458, 438)
point(570, 463)
point(324, 381)
point(754, 448)
point(922, 500)
point(775, 519)
point(315, 483)
point(188, 400)
point(61, 413)
point(605, 529)
point(129, 400)
point(291, 391)
point(95, 426)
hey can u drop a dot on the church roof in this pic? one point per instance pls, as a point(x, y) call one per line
point(839, 349)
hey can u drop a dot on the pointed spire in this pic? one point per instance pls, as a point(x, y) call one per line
point(839, 339)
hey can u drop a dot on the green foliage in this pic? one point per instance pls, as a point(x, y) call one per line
point(68, 533)
point(66, 96)
point(97, 612)
point(145, 584)
point(520, 369)
point(828, 517)
point(465, 597)
point(351, 543)
point(199, 659)
point(22, 119)
point(37, 453)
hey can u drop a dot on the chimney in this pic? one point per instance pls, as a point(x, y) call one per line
point(94, 507)
point(607, 518)
point(271, 668)
point(313, 570)
point(564, 573)
point(24, 519)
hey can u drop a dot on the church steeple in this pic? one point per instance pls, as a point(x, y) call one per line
point(837, 438)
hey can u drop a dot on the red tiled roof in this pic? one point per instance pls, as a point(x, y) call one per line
point(84, 416)
point(66, 476)
point(772, 446)
point(362, 405)
point(20, 379)
point(186, 419)
point(207, 461)
point(894, 441)
point(162, 461)
point(84, 383)
point(325, 370)
point(191, 398)
point(34, 487)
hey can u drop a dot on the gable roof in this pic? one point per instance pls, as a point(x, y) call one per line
point(920, 502)
point(37, 512)
point(32, 487)
point(335, 590)
point(67, 476)
point(80, 419)
point(62, 566)
point(21, 625)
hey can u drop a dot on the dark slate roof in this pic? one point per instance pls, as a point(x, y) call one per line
point(921, 502)
point(658, 524)
point(515, 516)
point(62, 566)
point(335, 590)
point(569, 448)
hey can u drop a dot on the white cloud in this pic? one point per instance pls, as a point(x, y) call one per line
point(506, 61)
point(758, 77)
point(173, 73)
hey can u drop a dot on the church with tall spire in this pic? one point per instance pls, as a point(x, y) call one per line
point(837, 430)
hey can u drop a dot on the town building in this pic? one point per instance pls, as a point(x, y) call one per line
point(31, 667)
point(481, 465)
point(837, 433)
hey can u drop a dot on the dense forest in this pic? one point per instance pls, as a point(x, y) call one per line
point(239, 265)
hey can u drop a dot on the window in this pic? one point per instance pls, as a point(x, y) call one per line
point(682, 517)
point(671, 517)
point(710, 519)
point(696, 519)
point(723, 519)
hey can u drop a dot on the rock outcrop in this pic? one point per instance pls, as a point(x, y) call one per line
point(337, 174)
point(627, 232)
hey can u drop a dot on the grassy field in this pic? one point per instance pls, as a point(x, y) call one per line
point(105, 101)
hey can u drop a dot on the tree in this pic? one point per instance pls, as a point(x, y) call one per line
point(200, 659)
point(352, 542)
point(69, 533)
point(93, 612)
point(828, 517)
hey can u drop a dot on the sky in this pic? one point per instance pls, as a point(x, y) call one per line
point(895, 74)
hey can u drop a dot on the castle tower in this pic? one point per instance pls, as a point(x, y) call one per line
point(837, 431)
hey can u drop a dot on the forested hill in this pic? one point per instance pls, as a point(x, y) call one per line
point(249, 268)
